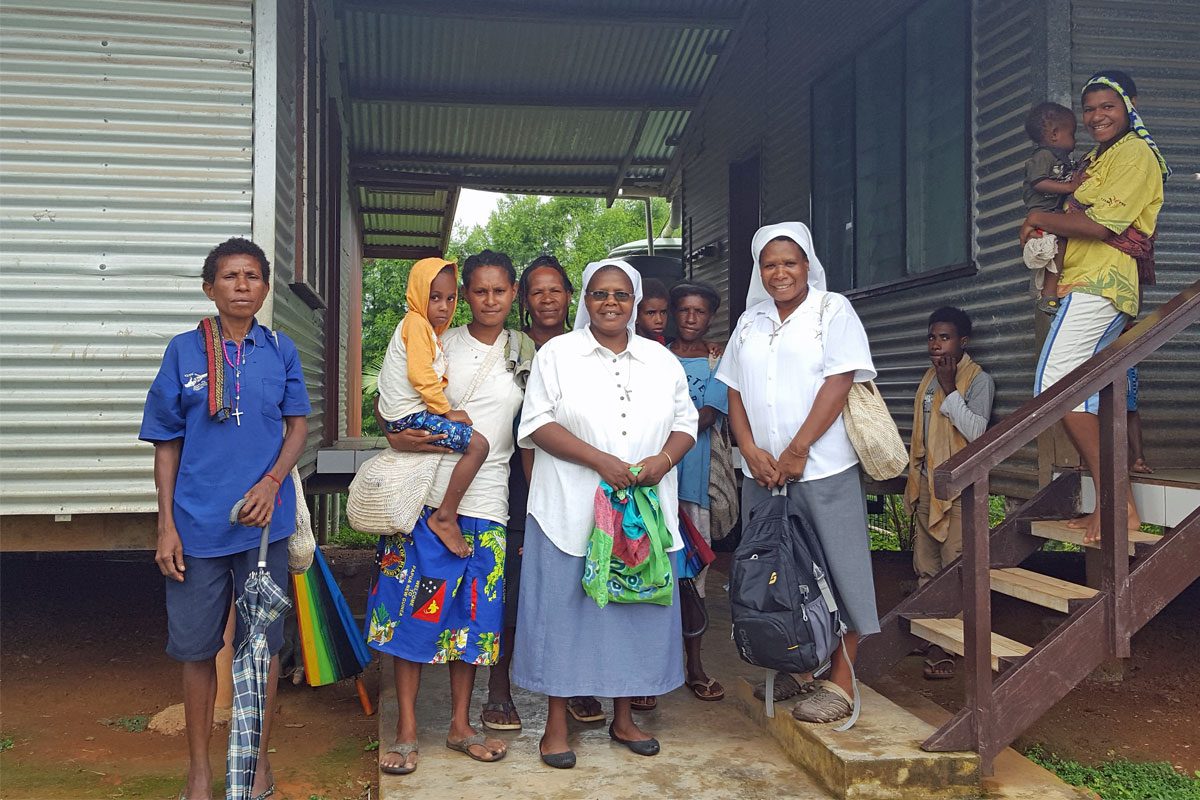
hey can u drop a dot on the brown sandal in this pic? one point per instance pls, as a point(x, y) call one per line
point(647, 703)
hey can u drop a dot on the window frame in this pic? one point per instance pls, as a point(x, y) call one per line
point(318, 172)
point(964, 268)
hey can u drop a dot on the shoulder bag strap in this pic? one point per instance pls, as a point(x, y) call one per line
point(488, 362)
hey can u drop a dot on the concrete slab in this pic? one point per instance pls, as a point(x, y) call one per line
point(1015, 777)
point(880, 758)
point(709, 752)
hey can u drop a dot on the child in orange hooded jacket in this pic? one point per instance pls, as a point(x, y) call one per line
point(412, 385)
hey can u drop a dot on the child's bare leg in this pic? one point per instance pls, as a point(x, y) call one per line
point(444, 521)
point(1137, 457)
point(1050, 285)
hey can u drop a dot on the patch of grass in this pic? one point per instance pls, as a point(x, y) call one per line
point(6, 743)
point(1121, 779)
point(893, 528)
point(347, 537)
point(135, 724)
point(1157, 530)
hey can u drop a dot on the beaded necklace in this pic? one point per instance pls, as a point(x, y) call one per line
point(237, 379)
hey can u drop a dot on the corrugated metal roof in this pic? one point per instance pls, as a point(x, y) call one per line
point(124, 154)
point(572, 101)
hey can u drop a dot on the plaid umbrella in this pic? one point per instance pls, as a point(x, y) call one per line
point(261, 603)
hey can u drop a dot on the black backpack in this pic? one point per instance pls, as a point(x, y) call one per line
point(785, 617)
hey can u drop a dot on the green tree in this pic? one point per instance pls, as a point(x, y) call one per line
point(577, 230)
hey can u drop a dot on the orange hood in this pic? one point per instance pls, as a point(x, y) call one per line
point(420, 279)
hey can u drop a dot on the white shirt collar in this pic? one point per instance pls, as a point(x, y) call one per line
point(635, 347)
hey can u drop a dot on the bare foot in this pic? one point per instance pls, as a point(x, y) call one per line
point(446, 528)
point(1092, 531)
point(199, 784)
point(1081, 523)
point(1141, 467)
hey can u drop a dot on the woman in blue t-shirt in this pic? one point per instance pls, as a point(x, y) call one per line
point(693, 306)
point(216, 415)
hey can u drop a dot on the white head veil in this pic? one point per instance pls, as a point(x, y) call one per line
point(796, 231)
point(582, 318)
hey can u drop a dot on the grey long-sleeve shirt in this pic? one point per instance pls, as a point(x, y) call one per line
point(969, 414)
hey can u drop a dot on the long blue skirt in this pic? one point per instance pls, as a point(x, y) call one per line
point(430, 606)
point(567, 645)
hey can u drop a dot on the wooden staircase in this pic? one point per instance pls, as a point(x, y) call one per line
point(1139, 573)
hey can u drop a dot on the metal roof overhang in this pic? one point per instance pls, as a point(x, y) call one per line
point(581, 97)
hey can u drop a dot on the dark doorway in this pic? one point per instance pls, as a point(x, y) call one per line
point(744, 219)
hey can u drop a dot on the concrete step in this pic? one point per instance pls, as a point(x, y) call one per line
point(948, 635)
point(1033, 587)
point(1057, 530)
point(880, 758)
point(1163, 498)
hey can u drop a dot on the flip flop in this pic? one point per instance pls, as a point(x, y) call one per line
point(508, 709)
point(270, 790)
point(709, 690)
point(936, 670)
point(405, 749)
point(577, 708)
point(646, 703)
point(465, 745)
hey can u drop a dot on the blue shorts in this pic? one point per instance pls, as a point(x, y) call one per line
point(458, 435)
point(198, 607)
point(1131, 389)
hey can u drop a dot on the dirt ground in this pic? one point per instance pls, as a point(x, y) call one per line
point(82, 656)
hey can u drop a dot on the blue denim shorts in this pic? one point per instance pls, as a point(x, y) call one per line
point(198, 607)
point(458, 434)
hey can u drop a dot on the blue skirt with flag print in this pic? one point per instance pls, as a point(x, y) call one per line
point(430, 606)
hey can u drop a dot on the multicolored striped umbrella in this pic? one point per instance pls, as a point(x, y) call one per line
point(331, 643)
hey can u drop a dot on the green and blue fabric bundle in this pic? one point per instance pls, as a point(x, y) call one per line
point(627, 560)
point(330, 641)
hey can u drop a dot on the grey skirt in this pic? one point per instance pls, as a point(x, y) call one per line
point(566, 645)
point(836, 506)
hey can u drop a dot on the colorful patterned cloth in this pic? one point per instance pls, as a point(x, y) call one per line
point(627, 559)
point(458, 434)
point(430, 606)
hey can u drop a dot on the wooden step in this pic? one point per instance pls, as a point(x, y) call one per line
point(1057, 529)
point(1033, 587)
point(1163, 498)
point(948, 635)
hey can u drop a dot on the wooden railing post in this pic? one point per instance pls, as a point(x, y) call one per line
point(977, 617)
point(1112, 493)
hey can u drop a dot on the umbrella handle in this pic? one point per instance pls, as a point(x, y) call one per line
point(266, 532)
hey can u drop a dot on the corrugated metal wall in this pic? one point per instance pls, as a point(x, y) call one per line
point(292, 315)
point(764, 98)
point(1156, 41)
point(126, 153)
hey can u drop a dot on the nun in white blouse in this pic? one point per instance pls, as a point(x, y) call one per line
point(599, 400)
point(789, 366)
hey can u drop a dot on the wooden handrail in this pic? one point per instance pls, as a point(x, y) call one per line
point(974, 461)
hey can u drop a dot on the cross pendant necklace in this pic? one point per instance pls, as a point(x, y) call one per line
point(237, 380)
point(778, 329)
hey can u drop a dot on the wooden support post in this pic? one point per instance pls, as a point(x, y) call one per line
point(977, 618)
point(1112, 493)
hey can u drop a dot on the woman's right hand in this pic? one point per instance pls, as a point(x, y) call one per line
point(613, 471)
point(415, 440)
point(169, 553)
point(763, 466)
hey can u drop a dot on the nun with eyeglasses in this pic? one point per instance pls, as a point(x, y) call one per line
point(600, 401)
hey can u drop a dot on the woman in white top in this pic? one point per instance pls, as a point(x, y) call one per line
point(789, 366)
point(429, 606)
point(599, 400)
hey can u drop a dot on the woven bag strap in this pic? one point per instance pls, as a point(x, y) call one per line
point(493, 354)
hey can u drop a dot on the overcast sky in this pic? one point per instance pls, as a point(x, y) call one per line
point(474, 207)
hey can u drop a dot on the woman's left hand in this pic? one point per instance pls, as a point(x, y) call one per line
point(652, 470)
point(260, 503)
point(791, 464)
point(1029, 229)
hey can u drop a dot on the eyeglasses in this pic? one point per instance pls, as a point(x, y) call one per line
point(600, 296)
